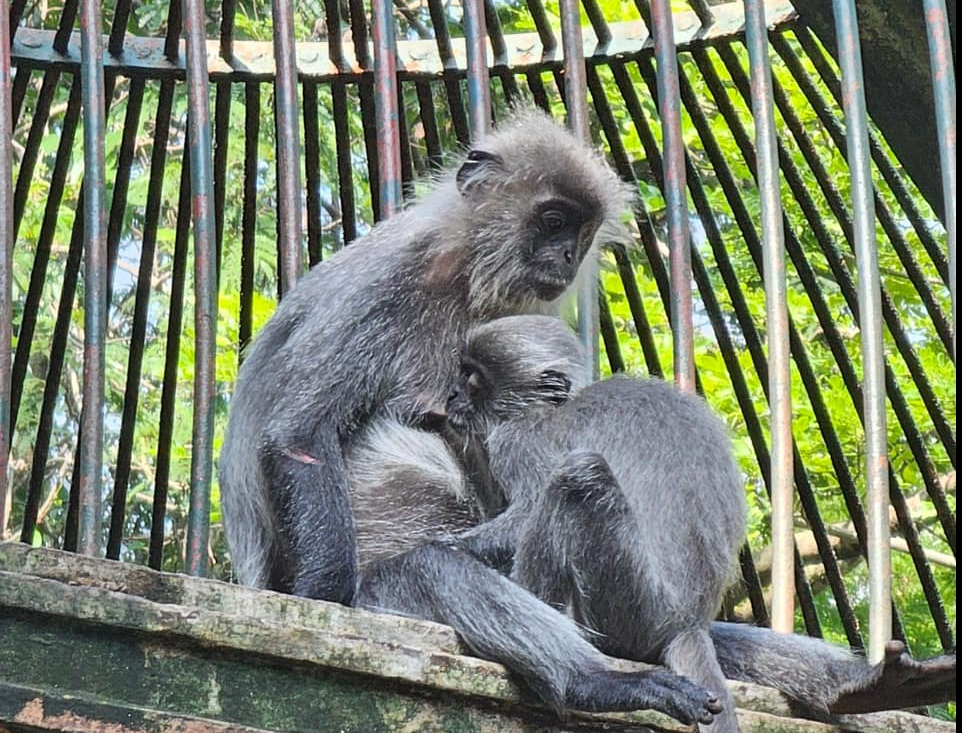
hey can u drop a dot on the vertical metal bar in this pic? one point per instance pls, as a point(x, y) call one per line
point(345, 170)
point(479, 92)
point(95, 276)
point(870, 320)
point(6, 261)
point(228, 16)
point(252, 122)
point(288, 146)
point(138, 333)
point(669, 108)
point(168, 395)
point(943, 82)
point(312, 173)
point(386, 109)
point(205, 286)
point(576, 103)
point(776, 312)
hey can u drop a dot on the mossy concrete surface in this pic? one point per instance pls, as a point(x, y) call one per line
point(97, 645)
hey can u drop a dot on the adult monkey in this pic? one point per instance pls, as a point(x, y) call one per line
point(625, 505)
point(365, 346)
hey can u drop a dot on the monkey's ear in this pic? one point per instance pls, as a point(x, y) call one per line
point(479, 165)
point(554, 387)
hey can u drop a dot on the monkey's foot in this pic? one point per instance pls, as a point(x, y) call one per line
point(656, 689)
point(900, 681)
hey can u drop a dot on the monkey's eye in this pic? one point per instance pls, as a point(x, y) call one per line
point(553, 220)
point(473, 379)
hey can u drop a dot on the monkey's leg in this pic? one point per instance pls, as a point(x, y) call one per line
point(577, 547)
point(501, 621)
point(316, 555)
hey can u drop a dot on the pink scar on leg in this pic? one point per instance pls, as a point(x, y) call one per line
point(301, 457)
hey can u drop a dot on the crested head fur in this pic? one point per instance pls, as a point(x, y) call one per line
point(489, 205)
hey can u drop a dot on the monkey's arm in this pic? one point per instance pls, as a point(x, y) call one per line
point(494, 542)
point(308, 491)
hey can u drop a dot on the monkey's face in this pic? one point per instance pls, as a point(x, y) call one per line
point(468, 407)
point(499, 387)
point(555, 240)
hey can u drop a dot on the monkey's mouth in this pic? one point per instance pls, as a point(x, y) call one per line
point(549, 287)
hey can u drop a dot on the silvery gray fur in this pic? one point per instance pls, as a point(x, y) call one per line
point(625, 506)
point(360, 355)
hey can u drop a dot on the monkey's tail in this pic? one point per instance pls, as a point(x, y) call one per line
point(811, 672)
point(692, 654)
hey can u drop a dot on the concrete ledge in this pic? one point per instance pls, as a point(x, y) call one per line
point(91, 644)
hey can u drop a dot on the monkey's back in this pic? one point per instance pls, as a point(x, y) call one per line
point(346, 345)
point(673, 461)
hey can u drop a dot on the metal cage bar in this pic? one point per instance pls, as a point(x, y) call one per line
point(943, 82)
point(288, 137)
point(870, 306)
point(386, 108)
point(6, 261)
point(776, 305)
point(576, 104)
point(479, 91)
point(675, 199)
point(95, 278)
point(205, 286)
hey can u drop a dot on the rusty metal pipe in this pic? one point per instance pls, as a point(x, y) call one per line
point(386, 108)
point(288, 137)
point(479, 91)
point(776, 309)
point(95, 277)
point(205, 286)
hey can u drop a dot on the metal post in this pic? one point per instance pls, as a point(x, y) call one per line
point(576, 101)
point(205, 286)
point(870, 321)
point(288, 146)
point(943, 82)
point(6, 263)
point(669, 108)
point(779, 371)
point(386, 107)
point(479, 93)
point(95, 276)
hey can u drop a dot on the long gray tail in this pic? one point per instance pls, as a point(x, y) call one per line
point(692, 654)
point(811, 672)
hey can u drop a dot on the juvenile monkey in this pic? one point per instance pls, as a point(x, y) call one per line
point(356, 356)
point(625, 506)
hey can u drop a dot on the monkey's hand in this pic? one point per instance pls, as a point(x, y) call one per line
point(494, 542)
point(653, 689)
